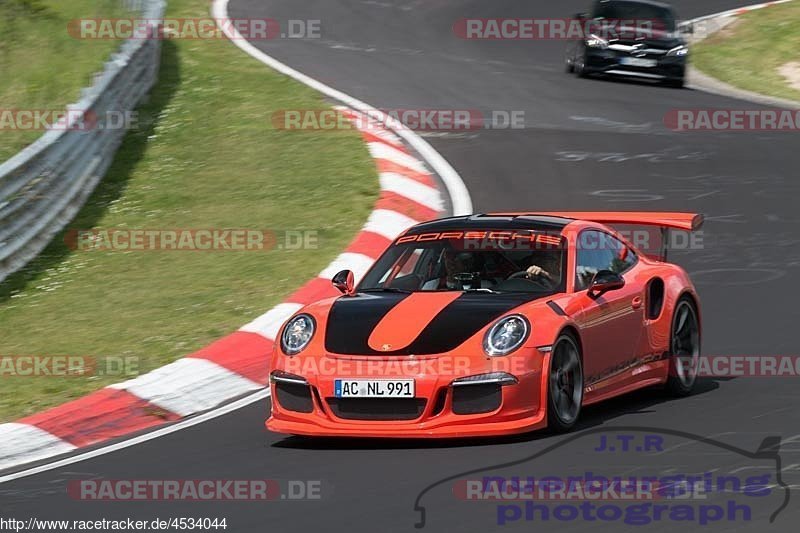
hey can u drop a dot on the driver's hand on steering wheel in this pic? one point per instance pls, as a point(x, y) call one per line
point(534, 270)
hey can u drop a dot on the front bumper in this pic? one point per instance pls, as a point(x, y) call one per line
point(439, 409)
point(611, 62)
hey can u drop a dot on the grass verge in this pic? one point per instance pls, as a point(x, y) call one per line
point(749, 54)
point(204, 156)
point(41, 66)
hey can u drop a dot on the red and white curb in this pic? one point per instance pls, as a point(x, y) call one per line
point(236, 364)
point(705, 27)
point(739, 10)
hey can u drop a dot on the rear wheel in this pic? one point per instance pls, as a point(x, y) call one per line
point(684, 349)
point(565, 391)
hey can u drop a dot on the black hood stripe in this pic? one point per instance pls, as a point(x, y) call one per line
point(352, 320)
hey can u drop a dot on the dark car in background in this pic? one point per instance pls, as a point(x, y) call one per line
point(630, 38)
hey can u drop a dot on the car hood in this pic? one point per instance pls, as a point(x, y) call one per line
point(420, 323)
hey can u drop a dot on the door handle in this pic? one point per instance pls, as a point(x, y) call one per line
point(636, 303)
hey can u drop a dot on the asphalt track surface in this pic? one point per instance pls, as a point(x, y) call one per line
point(403, 54)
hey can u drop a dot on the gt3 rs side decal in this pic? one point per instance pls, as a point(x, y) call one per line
point(592, 382)
point(612, 313)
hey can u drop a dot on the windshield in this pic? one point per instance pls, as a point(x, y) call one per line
point(515, 262)
point(635, 11)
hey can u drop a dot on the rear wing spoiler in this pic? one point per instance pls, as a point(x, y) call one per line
point(664, 221)
point(667, 220)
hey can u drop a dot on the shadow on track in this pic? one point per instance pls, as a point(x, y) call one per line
point(637, 402)
point(634, 81)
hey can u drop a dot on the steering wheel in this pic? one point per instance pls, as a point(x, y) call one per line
point(467, 278)
point(540, 280)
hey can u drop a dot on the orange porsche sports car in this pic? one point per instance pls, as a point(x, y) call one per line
point(492, 324)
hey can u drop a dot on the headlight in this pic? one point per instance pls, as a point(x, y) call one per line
point(679, 51)
point(506, 335)
point(297, 333)
point(593, 41)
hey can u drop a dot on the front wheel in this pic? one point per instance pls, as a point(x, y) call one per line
point(565, 391)
point(684, 349)
point(569, 66)
point(579, 64)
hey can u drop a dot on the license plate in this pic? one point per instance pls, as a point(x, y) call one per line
point(373, 388)
point(638, 62)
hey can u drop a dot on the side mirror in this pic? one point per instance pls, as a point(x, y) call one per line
point(345, 282)
point(605, 281)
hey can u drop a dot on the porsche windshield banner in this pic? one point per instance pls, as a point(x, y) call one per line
point(490, 240)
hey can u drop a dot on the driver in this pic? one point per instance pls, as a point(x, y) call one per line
point(547, 265)
point(454, 263)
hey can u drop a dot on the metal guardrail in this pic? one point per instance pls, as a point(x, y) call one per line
point(43, 187)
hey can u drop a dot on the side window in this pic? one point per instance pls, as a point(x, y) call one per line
point(600, 251)
point(624, 257)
